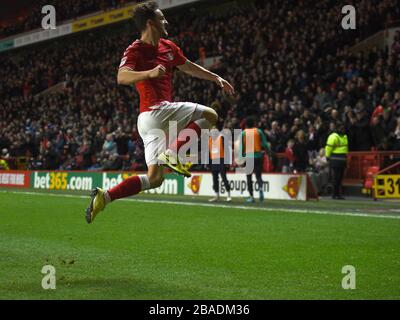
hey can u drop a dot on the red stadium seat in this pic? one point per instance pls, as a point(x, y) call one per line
point(369, 178)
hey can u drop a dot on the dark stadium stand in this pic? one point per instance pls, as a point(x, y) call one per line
point(290, 62)
point(28, 17)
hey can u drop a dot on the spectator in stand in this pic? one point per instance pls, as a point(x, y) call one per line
point(320, 172)
point(96, 166)
point(313, 140)
point(289, 157)
point(361, 131)
point(122, 142)
point(112, 162)
point(85, 155)
point(5, 154)
point(378, 134)
point(109, 145)
point(273, 135)
point(300, 152)
point(50, 156)
point(395, 136)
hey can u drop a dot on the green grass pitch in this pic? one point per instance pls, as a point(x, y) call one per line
point(159, 250)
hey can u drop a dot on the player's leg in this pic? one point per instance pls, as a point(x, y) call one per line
point(258, 164)
point(226, 182)
point(215, 174)
point(129, 187)
point(209, 115)
point(156, 175)
point(187, 116)
point(202, 118)
point(250, 187)
point(154, 142)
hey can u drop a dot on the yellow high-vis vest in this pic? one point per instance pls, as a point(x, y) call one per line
point(336, 144)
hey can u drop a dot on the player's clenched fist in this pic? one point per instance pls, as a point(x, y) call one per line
point(157, 72)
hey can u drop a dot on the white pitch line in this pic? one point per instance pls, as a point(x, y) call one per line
point(200, 204)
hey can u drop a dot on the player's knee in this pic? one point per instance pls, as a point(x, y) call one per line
point(211, 116)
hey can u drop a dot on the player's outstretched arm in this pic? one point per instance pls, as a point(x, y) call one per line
point(128, 76)
point(197, 71)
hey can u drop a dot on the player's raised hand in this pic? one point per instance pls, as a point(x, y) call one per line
point(157, 72)
point(225, 85)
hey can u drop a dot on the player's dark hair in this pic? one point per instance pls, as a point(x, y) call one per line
point(144, 12)
point(250, 122)
point(219, 125)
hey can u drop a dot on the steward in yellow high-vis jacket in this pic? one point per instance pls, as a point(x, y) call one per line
point(336, 150)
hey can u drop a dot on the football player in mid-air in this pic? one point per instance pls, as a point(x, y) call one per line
point(149, 63)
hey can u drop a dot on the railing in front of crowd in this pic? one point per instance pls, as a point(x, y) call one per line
point(358, 163)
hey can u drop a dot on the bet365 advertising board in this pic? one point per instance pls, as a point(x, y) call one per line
point(80, 181)
point(275, 186)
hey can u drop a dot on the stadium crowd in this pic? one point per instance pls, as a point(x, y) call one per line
point(65, 10)
point(290, 64)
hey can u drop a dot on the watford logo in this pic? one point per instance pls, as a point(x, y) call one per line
point(293, 187)
point(194, 184)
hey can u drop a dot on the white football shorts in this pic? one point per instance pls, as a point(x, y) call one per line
point(163, 123)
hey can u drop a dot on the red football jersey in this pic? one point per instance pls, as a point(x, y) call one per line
point(141, 56)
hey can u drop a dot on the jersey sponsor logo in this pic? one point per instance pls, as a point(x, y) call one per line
point(123, 60)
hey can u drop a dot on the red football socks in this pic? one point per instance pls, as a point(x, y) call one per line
point(181, 140)
point(126, 188)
